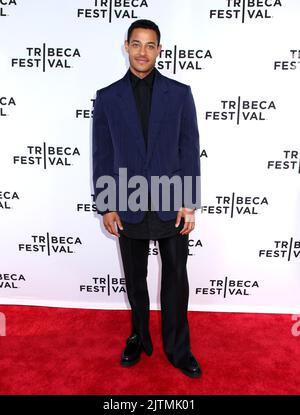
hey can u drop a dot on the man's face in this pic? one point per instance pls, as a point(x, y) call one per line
point(142, 50)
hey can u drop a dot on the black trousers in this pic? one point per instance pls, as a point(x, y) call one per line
point(174, 293)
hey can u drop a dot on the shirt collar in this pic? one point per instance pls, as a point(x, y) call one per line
point(149, 79)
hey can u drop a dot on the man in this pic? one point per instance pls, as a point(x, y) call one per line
point(147, 123)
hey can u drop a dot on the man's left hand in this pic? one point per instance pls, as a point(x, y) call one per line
point(189, 220)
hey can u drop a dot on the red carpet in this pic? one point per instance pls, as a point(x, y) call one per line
point(73, 351)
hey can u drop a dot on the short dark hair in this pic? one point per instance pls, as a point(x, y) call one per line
point(144, 24)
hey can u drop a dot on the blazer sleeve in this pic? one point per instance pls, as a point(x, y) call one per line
point(102, 146)
point(189, 151)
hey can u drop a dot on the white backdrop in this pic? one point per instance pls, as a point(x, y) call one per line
point(242, 61)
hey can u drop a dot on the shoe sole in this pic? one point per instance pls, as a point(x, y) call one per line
point(191, 375)
point(131, 362)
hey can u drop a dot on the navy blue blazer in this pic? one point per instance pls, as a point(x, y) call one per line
point(173, 139)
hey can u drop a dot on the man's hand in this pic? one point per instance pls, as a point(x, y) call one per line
point(189, 219)
point(110, 220)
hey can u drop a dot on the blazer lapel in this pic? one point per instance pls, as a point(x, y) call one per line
point(131, 115)
point(158, 109)
point(159, 105)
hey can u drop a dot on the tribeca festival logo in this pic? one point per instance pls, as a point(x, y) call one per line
point(6, 104)
point(175, 59)
point(290, 161)
point(11, 281)
point(238, 110)
point(107, 285)
point(87, 207)
point(236, 205)
point(45, 58)
point(193, 246)
point(8, 199)
point(287, 250)
point(228, 287)
point(5, 7)
point(110, 10)
point(51, 244)
point(291, 63)
point(47, 156)
point(246, 10)
point(153, 248)
point(85, 113)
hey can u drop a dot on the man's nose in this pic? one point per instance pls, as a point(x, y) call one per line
point(143, 50)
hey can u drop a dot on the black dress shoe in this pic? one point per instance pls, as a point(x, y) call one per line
point(192, 368)
point(131, 353)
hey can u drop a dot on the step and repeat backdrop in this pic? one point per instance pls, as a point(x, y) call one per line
point(242, 60)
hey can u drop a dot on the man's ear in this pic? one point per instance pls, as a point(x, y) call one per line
point(126, 45)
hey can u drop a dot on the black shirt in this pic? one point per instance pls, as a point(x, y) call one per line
point(151, 227)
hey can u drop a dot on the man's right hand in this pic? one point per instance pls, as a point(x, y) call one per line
point(110, 220)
